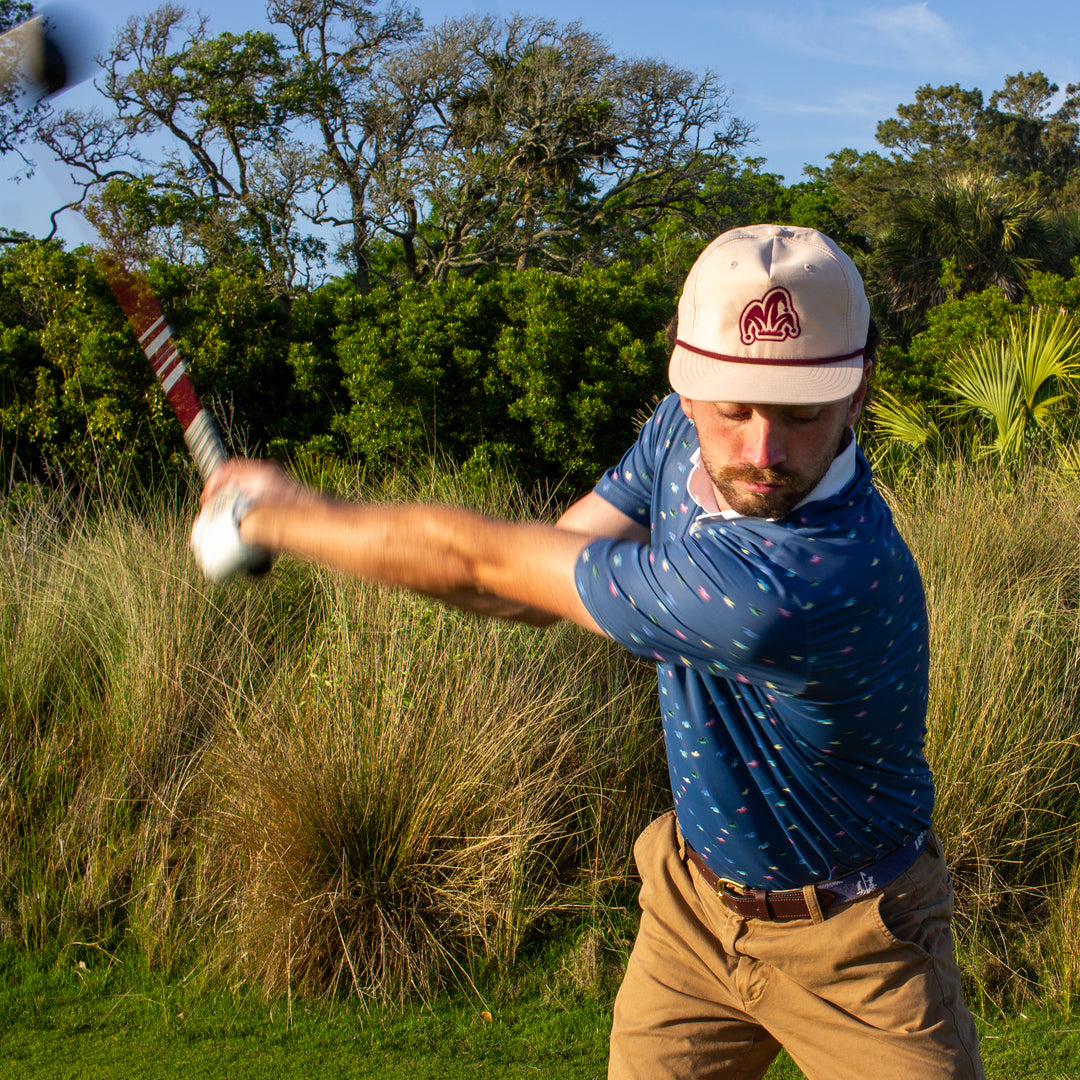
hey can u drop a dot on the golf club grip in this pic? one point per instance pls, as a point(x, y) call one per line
point(201, 433)
point(155, 336)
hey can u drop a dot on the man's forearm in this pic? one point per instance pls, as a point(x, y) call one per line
point(519, 570)
point(489, 566)
point(496, 607)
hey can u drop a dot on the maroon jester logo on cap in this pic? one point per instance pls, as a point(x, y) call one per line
point(772, 318)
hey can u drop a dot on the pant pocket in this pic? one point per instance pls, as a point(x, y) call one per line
point(915, 911)
point(648, 837)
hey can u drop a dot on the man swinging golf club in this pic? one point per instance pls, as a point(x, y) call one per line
point(796, 896)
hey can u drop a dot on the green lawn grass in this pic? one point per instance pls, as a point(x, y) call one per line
point(113, 1021)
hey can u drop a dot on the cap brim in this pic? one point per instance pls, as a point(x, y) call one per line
point(702, 378)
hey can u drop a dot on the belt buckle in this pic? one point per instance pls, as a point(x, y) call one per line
point(723, 883)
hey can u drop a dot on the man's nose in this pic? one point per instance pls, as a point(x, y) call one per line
point(763, 446)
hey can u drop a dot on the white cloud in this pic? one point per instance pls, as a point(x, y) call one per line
point(857, 103)
point(908, 37)
point(912, 33)
point(912, 23)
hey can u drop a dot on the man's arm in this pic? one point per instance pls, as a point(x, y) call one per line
point(595, 516)
point(494, 567)
point(591, 516)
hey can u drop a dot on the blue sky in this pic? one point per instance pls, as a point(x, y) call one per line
point(811, 77)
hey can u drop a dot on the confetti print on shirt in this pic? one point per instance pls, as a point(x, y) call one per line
point(761, 631)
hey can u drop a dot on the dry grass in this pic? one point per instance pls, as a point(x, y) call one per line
point(315, 785)
point(1001, 561)
point(306, 781)
point(418, 790)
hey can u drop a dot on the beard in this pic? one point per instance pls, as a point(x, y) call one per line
point(802, 458)
point(788, 490)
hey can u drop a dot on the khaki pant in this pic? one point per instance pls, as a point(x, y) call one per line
point(868, 989)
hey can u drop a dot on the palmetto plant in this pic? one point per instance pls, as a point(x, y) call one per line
point(904, 434)
point(1016, 386)
point(992, 235)
point(896, 421)
point(1016, 383)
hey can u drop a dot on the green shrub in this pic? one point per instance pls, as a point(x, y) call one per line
point(951, 327)
point(534, 370)
point(76, 393)
point(74, 382)
point(531, 370)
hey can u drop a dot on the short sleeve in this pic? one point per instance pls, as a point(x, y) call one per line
point(700, 605)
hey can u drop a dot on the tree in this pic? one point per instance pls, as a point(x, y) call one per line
point(337, 79)
point(227, 189)
point(939, 128)
point(1002, 171)
point(479, 143)
point(1018, 136)
point(1031, 140)
point(539, 147)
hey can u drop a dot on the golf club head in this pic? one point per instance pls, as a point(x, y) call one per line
point(50, 52)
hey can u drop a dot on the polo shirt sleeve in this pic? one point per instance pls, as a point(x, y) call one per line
point(702, 603)
point(629, 486)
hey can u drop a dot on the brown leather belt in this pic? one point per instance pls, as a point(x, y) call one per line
point(791, 903)
point(758, 903)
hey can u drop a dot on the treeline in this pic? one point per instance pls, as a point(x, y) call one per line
point(480, 142)
point(514, 207)
point(538, 371)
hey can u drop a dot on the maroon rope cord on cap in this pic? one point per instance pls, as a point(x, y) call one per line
point(766, 362)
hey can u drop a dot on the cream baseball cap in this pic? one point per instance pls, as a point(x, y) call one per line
point(771, 314)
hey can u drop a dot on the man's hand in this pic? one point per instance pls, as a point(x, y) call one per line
point(215, 537)
point(232, 491)
point(260, 481)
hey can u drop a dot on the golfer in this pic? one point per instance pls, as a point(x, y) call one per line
point(796, 896)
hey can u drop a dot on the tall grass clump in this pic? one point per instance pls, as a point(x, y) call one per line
point(115, 673)
point(1000, 556)
point(419, 791)
point(305, 781)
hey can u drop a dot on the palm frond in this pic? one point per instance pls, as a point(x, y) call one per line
point(896, 421)
point(984, 380)
point(1047, 356)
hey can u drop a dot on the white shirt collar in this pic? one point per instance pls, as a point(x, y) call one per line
point(836, 477)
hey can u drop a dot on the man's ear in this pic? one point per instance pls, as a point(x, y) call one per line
point(687, 406)
point(858, 399)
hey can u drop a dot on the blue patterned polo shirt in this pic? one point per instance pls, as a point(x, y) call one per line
point(792, 660)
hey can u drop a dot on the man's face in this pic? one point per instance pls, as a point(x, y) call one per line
point(763, 460)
